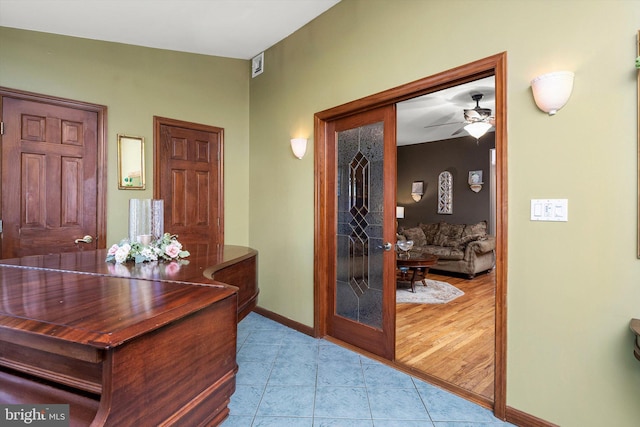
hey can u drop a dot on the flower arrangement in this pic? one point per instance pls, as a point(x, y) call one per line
point(166, 248)
point(638, 62)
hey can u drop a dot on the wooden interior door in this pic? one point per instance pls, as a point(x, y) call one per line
point(188, 177)
point(360, 213)
point(52, 175)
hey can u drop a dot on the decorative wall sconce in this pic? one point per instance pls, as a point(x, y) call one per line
point(475, 181)
point(551, 91)
point(399, 214)
point(477, 129)
point(417, 190)
point(299, 147)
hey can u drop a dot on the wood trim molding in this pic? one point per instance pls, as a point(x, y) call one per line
point(519, 418)
point(304, 329)
point(494, 65)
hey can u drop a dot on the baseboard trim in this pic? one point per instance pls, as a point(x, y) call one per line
point(307, 330)
point(519, 418)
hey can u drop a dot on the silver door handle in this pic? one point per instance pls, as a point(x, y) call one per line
point(387, 246)
point(85, 239)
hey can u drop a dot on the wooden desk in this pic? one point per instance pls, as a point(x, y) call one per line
point(232, 265)
point(124, 345)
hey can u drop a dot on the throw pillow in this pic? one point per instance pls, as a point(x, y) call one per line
point(449, 234)
point(430, 232)
point(416, 234)
point(473, 229)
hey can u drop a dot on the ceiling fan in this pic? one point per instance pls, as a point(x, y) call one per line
point(478, 114)
point(477, 120)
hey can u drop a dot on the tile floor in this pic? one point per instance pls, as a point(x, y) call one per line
point(287, 378)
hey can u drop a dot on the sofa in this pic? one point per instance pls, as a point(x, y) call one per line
point(461, 248)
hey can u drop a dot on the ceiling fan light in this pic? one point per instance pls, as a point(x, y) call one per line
point(477, 129)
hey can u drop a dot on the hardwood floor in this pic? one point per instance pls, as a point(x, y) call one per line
point(455, 341)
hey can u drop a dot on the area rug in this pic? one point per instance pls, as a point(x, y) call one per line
point(435, 292)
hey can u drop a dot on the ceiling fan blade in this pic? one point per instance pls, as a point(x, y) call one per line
point(442, 124)
point(458, 131)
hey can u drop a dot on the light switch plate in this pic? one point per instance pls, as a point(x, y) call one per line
point(549, 210)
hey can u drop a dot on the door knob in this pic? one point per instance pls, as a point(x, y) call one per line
point(85, 239)
point(387, 246)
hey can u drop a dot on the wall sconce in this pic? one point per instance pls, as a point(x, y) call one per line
point(417, 190)
point(475, 181)
point(399, 214)
point(477, 129)
point(299, 147)
point(552, 91)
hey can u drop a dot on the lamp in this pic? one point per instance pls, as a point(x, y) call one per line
point(299, 147)
point(477, 129)
point(551, 91)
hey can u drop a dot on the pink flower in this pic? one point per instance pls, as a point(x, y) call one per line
point(172, 250)
point(113, 249)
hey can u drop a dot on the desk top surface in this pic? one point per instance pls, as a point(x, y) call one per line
point(81, 298)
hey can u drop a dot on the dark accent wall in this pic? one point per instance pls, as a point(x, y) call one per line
point(424, 162)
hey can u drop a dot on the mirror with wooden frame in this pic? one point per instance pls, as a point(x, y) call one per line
point(130, 162)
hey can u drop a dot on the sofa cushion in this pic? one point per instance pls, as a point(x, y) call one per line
point(416, 234)
point(443, 252)
point(449, 234)
point(430, 231)
point(479, 228)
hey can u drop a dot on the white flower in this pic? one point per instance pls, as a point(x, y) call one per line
point(149, 253)
point(122, 253)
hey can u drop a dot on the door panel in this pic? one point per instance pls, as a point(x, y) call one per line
point(189, 180)
point(362, 289)
point(50, 177)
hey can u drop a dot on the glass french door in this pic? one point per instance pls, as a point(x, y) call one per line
point(361, 290)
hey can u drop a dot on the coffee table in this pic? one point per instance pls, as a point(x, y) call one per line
point(418, 265)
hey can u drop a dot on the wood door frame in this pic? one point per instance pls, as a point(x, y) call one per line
point(160, 121)
point(495, 65)
point(101, 150)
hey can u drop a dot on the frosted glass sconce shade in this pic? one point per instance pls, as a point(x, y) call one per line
point(299, 147)
point(552, 91)
point(477, 129)
point(400, 212)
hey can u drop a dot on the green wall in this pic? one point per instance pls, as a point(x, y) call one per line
point(135, 84)
point(572, 287)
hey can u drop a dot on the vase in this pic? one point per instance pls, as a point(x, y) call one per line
point(146, 220)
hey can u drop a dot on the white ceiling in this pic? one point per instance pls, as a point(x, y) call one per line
point(229, 28)
point(439, 115)
point(234, 29)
